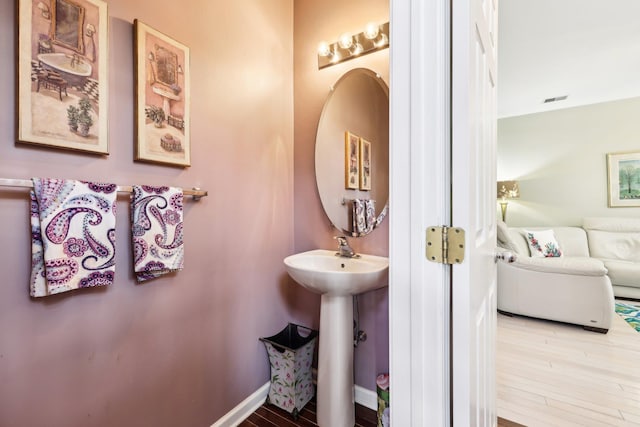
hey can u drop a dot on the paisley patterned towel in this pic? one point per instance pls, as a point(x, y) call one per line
point(72, 235)
point(359, 224)
point(370, 214)
point(363, 216)
point(156, 225)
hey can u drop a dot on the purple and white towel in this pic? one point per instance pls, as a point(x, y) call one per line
point(359, 222)
point(72, 235)
point(370, 214)
point(363, 216)
point(156, 226)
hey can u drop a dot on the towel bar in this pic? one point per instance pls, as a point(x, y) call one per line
point(196, 193)
point(345, 200)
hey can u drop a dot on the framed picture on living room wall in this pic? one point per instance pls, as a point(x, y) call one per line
point(624, 179)
point(62, 74)
point(162, 99)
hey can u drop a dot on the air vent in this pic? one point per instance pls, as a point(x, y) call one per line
point(556, 99)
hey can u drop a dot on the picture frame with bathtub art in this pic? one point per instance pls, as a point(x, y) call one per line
point(623, 179)
point(351, 161)
point(365, 165)
point(62, 83)
point(162, 98)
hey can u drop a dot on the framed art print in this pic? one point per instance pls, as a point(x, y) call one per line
point(162, 98)
point(351, 161)
point(623, 179)
point(62, 74)
point(365, 164)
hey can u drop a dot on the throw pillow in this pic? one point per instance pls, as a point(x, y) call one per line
point(543, 243)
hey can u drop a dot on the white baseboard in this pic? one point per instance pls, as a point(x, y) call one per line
point(366, 397)
point(363, 396)
point(244, 408)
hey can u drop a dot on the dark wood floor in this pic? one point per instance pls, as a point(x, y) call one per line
point(270, 415)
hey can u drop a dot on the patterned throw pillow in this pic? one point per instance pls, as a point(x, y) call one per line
point(543, 244)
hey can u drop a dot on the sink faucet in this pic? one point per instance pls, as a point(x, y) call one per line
point(344, 250)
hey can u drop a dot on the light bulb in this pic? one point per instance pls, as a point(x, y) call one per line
point(371, 31)
point(324, 49)
point(346, 41)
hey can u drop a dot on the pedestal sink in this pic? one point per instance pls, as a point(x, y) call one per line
point(337, 279)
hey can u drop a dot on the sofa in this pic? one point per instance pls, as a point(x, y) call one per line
point(571, 288)
point(616, 242)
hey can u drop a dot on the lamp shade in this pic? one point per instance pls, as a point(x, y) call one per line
point(508, 190)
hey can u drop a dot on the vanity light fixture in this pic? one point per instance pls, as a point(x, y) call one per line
point(374, 37)
point(44, 9)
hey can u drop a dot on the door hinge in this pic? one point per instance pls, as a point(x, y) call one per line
point(445, 245)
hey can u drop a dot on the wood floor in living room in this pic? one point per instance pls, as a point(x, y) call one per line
point(553, 374)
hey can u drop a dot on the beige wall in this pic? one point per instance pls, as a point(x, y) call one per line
point(559, 158)
point(180, 350)
point(315, 22)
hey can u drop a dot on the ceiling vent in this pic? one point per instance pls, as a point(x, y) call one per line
point(556, 99)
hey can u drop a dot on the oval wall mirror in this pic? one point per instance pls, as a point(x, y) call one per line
point(352, 148)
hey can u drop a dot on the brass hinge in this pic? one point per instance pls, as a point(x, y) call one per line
point(445, 245)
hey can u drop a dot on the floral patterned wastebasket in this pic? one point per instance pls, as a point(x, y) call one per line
point(290, 357)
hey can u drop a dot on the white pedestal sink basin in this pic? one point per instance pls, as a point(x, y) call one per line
point(337, 279)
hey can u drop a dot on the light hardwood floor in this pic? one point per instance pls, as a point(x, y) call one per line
point(553, 374)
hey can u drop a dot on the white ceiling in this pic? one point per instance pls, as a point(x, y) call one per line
point(586, 49)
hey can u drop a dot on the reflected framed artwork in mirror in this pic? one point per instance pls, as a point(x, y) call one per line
point(162, 98)
point(365, 165)
point(351, 161)
point(62, 74)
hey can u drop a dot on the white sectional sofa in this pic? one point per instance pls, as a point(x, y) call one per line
point(573, 288)
point(616, 241)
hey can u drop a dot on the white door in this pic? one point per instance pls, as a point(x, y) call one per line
point(420, 196)
point(474, 24)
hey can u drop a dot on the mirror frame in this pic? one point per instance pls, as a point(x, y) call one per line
point(330, 149)
point(166, 66)
point(79, 46)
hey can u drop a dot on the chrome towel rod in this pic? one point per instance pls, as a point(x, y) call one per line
point(196, 193)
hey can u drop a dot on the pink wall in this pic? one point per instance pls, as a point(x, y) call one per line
point(315, 22)
point(180, 350)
